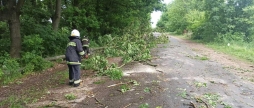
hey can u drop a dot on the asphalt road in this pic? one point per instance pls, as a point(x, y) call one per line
point(190, 76)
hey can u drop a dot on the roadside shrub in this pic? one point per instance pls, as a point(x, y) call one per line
point(10, 68)
point(105, 40)
point(54, 42)
point(4, 37)
point(33, 43)
point(93, 44)
point(1, 74)
point(4, 56)
point(35, 62)
point(29, 68)
point(230, 37)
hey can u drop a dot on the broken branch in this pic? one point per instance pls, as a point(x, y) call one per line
point(116, 84)
point(193, 105)
point(99, 102)
point(127, 105)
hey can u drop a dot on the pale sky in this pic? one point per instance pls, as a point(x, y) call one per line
point(155, 16)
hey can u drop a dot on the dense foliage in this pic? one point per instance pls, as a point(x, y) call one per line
point(210, 20)
point(38, 29)
point(128, 47)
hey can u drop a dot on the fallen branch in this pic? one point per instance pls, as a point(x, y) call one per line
point(55, 58)
point(205, 103)
point(193, 105)
point(99, 102)
point(127, 105)
point(63, 56)
point(202, 102)
point(160, 71)
point(147, 63)
point(116, 84)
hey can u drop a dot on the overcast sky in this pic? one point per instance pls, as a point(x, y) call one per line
point(156, 15)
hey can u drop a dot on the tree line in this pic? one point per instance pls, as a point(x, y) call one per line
point(210, 20)
point(42, 26)
point(31, 30)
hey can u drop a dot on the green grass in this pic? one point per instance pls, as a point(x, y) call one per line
point(147, 90)
point(200, 84)
point(241, 50)
point(70, 96)
point(99, 82)
point(244, 51)
point(145, 105)
point(12, 102)
point(182, 93)
point(124, 88)
point(201, 57)
point(60, 77)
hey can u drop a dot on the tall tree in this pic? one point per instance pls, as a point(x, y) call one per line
point(57, 15)
point(10, 10)
point(175, 20)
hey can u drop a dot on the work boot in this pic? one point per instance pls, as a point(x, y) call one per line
point(77, 83)
point(71, 82)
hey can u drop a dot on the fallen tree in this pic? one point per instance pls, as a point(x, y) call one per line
point(93, 51)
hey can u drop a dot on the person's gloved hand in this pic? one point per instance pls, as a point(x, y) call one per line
point(86, 56)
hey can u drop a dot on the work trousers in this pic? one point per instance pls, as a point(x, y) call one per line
point(74, 72)
point(86, 49)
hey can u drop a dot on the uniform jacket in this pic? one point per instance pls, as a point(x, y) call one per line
point(74, 51)
point(85, 44)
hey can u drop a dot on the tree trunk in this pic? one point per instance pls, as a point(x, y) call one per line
point(14, 26)
point(57, 15)
point(10, 12)
point(75, 3)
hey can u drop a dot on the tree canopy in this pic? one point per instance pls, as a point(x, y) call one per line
point(52, 20)
point(210, 20)
point(32, 30)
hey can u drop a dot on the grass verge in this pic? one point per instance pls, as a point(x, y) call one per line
point(243, 52)
point(240, 50)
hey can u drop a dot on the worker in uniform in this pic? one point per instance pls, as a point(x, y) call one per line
point(74, 52)
point(85, 45)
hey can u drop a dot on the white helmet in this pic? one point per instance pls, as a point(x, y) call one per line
point(75, 33)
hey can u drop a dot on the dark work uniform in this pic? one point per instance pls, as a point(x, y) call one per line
point(73, 54)
point(85, 45)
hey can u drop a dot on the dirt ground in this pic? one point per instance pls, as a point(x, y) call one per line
point(182, 74)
